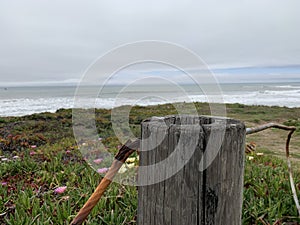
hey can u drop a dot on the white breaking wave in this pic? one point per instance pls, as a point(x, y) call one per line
point(288, 86)
point(26, 106)
point(286, 95)
point(281, 93)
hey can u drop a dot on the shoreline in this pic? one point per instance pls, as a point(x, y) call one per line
point(22, 101)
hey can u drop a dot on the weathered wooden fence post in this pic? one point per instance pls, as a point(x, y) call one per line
point(173, 190)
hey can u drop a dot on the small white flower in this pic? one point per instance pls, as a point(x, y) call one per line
point(259, 153)
point(130, 165)
point(123, 169)
point(250, 157)
point(131, 160)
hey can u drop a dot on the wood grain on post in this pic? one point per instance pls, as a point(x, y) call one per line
point(191, 196)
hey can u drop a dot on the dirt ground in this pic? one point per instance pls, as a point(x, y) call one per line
point(274, 140)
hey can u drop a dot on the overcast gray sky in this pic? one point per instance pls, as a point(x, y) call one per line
point(55, 41)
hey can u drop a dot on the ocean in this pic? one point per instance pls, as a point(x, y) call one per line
point(19, 101)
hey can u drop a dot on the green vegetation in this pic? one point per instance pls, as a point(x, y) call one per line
point(39, 154)
point(267, 192)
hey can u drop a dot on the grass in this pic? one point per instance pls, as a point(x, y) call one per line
point(27, 185)
point(29, 197)
point(267, 193)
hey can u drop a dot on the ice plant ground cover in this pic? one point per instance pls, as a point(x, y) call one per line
point(51, 184)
